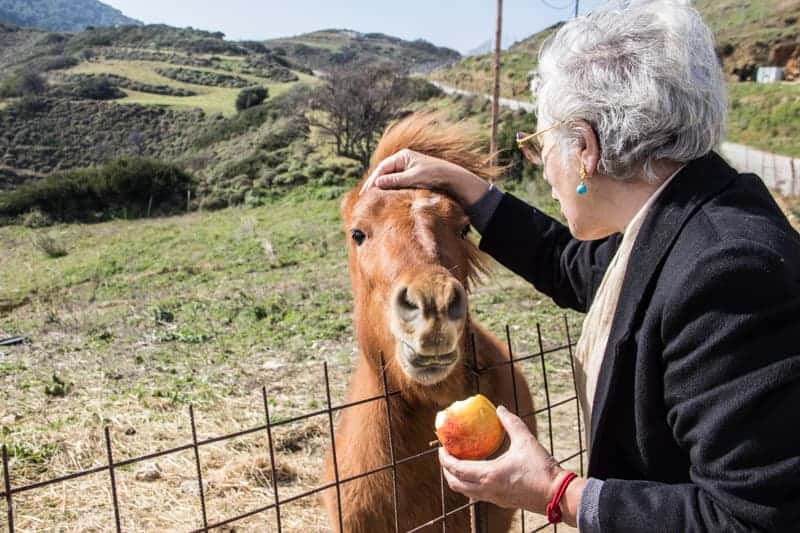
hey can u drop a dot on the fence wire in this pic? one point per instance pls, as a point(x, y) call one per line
point(477, 510)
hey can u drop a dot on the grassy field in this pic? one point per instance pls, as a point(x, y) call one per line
point(210, 99)
point(141, 318)
point(766, 116)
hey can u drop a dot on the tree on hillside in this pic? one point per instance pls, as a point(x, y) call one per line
point(251, 96)
point(356, 104)
point(24, 83)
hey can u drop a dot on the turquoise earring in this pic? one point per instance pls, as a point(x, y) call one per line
point(582, 189)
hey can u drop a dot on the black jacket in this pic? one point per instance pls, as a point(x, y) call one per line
point(696, 418)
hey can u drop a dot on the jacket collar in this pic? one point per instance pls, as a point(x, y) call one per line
point(690, 188)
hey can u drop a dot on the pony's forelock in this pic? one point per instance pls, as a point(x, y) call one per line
point(431, 133)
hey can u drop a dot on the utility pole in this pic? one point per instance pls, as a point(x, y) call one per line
point(577, 4)
point(496, 87)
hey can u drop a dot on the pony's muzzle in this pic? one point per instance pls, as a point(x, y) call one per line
point(428, 314)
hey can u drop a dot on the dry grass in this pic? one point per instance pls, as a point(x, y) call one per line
point(790, 206)
point(144, 317)
point(162, 494)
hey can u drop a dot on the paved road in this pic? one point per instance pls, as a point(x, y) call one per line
point(779, 172)
point(514, 105)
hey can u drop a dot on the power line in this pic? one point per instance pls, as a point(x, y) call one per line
point(566, 6)
point(551, 6)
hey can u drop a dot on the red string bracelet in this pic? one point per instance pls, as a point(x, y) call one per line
point(553, 508)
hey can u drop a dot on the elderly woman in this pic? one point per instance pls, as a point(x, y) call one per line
point(689, 373)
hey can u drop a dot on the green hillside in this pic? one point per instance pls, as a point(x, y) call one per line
point(751, 31)
point(475, 73)
point(74, 100)
point(324, 49)
point(61, 15)
point(757, 32)
point(765, 116)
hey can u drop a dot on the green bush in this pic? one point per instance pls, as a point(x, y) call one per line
point(49, 245)
point(421, 90)
point(97, 88)
point(54, 62)
point(238, 124)
point(250, 97)
point(128, 186)
point(24, 83)
point(510, 155)
point(30, 105)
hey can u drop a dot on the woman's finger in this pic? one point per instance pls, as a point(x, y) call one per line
point(398, 180)
point(472, 471)
point(514, 425)
point(394, 163)
point(467, 488)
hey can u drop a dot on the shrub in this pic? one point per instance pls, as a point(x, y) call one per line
point(97, 88)
point(251, 96)
point(55, 62)
point(238, 124)
point(510, 155)
point(36, 218)
point(49, 245)
point(124, 185)
point(421, 90)
point(51, 39)
point(29, 105)
point(24, 83)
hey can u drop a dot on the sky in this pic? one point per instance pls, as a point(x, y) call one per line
point(461, 25)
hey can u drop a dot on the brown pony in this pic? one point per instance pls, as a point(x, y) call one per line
point(411, 267)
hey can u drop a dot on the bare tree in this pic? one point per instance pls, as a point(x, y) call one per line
point(356, 104)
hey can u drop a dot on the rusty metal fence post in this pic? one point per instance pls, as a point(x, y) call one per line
point(7, 485)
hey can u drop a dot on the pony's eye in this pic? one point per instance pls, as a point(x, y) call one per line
point(465, 231)
point(358, 236)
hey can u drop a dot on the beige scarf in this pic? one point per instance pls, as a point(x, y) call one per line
point(597, 323)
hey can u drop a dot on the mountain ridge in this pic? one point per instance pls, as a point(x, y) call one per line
point(62, 15)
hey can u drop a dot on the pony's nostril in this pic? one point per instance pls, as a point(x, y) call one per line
point(457, 308)
point(404, 302)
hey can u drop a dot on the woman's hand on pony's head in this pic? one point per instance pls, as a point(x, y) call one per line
point(408, 169)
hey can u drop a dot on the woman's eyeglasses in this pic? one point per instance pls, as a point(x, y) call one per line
point(531, 144)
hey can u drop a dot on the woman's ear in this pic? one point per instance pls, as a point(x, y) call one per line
point(589, 151)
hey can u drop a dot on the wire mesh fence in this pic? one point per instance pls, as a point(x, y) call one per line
point(561, 432)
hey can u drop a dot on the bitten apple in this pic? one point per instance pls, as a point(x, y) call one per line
point(470, 429)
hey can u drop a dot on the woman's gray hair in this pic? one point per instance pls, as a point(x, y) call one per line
point(645, 75)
